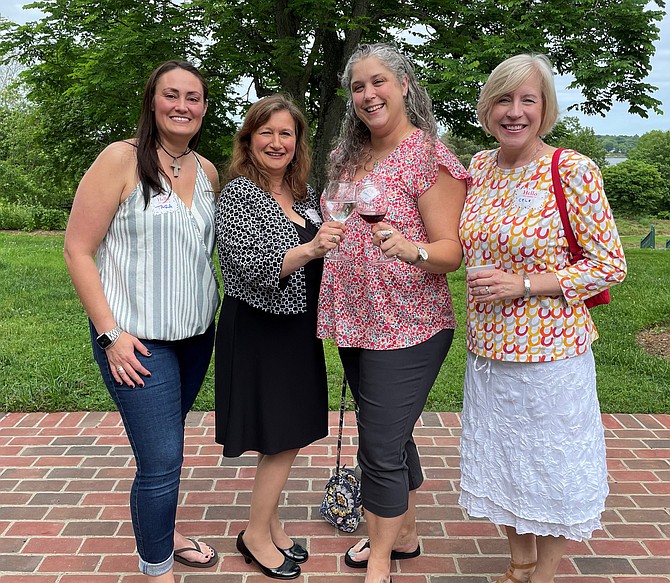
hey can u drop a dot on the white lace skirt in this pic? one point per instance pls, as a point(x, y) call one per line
point(533, 446)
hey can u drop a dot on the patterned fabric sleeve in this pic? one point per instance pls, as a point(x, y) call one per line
point(254, 258)
point(604, 264)
point(427, 161)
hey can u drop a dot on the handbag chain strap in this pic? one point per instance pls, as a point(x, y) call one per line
point(575, 250)
point(343, 405)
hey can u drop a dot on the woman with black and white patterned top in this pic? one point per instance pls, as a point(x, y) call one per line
point(271, 388)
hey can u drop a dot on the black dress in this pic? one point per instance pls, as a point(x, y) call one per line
point(271, 390)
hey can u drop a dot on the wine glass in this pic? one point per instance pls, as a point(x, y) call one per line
point(339, 201)
point(372, 206)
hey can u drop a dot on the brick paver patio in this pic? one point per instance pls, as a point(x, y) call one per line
point(65, 477)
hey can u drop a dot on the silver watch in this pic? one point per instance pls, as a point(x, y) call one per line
point(422, 258)
point(107, 339)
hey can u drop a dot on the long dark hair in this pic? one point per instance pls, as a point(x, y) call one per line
point(148, 168)
point(244, 163)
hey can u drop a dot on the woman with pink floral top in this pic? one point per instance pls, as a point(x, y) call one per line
point(532, 445)
point(392, 322)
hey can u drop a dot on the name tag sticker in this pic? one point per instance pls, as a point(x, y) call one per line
point(529, 198)
point(314, 216)
point(162, 204)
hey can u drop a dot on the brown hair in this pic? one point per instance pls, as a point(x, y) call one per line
point(148, 168)
point(243, 162)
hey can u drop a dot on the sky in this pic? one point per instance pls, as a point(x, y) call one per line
point(617, 120)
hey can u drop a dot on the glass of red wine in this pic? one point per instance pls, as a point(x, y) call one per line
point(339, 203)
point(372, 204)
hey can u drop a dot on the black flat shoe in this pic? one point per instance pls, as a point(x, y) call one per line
point(287, 570)
point(297, 553)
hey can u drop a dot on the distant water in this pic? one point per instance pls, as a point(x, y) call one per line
point(614, 161)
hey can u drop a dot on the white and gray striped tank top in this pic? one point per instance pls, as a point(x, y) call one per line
point(156, 264)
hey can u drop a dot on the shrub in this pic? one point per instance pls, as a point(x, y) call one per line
point(636, 188)
point(653, 148)
point(15, 217)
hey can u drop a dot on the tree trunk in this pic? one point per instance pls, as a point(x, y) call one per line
point(336, 53)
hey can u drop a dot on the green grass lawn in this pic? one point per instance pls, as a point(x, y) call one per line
point(46, 362)
point(632, 231)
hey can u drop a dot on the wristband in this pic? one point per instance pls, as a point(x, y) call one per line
point(526, 287)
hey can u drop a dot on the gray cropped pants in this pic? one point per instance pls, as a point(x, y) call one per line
point(391, 388)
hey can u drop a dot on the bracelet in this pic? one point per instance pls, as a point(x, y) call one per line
point(526, 287)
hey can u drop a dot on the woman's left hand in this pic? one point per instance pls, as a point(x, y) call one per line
point(492, 285)
point(392, 243)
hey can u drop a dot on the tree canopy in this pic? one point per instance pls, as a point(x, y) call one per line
point(86, 60)
point(636, 188)
point(654, 148)
point(569, 133)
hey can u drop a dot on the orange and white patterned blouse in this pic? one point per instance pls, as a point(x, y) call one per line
point(510, 219)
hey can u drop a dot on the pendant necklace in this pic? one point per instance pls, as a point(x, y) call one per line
point(386, 152)
point(176, 167)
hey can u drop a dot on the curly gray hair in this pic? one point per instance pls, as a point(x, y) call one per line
point(354, 134)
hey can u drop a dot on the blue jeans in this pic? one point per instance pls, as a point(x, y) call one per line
point(154, 417)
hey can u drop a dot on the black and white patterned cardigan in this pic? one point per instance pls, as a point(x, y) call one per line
point(253, 235)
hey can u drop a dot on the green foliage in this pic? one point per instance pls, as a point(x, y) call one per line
point(569, 133)
point(37, 301)
point(654, 148)
point(24, 170)
point(21, 217)
point(86, 68)
point(86, 60)
point(636, 188)
point(616, 144)
point(464, 148)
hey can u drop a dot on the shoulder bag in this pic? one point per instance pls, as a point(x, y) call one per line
point(576, 253)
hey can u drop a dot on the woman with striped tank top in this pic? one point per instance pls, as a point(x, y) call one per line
point(138, 247)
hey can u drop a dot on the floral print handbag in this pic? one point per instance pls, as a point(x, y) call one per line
point(341, 504)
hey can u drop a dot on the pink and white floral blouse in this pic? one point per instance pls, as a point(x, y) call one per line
point(390, 305)
point(510, 219)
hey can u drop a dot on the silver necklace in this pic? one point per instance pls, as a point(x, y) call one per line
point(386, 152)
point(532, 156)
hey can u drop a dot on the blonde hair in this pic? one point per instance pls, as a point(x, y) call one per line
point(510, 75)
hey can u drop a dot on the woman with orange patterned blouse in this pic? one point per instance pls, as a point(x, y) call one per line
point(532, 446)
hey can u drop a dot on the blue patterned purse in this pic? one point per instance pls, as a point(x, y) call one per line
point(342, 505)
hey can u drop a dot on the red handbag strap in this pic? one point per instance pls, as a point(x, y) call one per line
point(575, 249)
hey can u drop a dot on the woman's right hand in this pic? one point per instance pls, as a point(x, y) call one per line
point(123, 363)
point(330, 235)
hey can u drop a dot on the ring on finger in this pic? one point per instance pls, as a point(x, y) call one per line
point(120, 369)
point(333, 238)
point(488, 291)
point(385, 233)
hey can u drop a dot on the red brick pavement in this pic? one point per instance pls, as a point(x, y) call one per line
point(65, 477)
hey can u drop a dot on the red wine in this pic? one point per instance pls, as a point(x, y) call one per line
point(372, 218)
